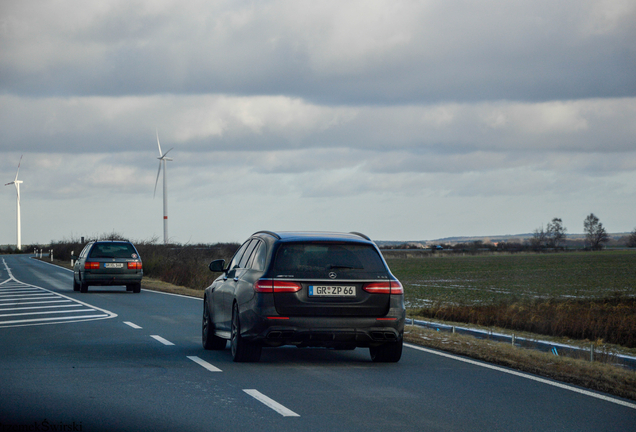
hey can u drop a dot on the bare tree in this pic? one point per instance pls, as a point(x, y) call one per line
point(595, 233)
point(555, 233)
point(538, 238)
point(631, 240)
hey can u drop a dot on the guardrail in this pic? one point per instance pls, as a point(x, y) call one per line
point(591, 353)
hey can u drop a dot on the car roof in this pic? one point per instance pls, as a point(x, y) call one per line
point(316, 236)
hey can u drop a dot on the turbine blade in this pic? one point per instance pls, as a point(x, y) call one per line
point(157, 181)
point(16, 173)
point(164, 155)
point(160, 154)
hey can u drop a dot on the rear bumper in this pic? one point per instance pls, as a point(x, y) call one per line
point(324, 331)
point(111, 279)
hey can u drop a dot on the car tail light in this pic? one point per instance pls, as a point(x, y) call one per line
point(388, 287)
point(270, 286)
point(134, 266)
point(396, 287)
point(284, 286)
point(91, 265)
point(263, 286)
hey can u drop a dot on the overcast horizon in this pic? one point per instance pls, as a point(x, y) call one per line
point(404, 120)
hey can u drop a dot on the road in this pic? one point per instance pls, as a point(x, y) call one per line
point(113, 360)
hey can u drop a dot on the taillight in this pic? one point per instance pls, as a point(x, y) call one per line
point(396, 287)
point(378, 287)
point(134, 266)
point(263, 286)
point(388, 287)
point(284, 286)
point(91, 265)
point(270, 286)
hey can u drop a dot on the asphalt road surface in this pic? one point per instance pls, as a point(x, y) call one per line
point(113, 360)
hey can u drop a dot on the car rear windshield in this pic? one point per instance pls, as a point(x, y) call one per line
point(317, 260)
point(113, 250)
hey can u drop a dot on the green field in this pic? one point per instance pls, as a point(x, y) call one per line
point(494, 278)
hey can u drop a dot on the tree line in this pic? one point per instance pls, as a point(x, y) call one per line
point(596, 235)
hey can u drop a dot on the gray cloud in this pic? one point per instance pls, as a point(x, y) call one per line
point(268, 123)
point(357, 52)
point(412, 119)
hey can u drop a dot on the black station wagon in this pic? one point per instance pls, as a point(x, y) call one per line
point(306, 289)
point(108, 263)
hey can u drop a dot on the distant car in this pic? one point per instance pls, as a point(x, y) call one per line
point(306, 289)
point(108, 263)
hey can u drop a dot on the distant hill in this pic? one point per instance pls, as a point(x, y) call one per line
point(573, 238)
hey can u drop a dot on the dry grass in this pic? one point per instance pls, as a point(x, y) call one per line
point(612, 320)
point(596, 376)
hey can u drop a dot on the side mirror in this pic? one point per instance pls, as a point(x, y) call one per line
point(217, 266)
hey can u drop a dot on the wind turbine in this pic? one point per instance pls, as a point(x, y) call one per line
point(162, 159)
point(17, 182)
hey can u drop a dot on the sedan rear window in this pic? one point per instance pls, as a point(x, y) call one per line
point(317, 260)
point(113, 250)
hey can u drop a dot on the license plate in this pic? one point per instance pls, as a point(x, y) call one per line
point(113, 265)
point(331, 291)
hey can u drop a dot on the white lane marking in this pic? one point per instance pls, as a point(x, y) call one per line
point(9, 291)
point(527, 376)
point(14, 296)
point(48, 312)
point(172, 294)
point(37, 307)
point(12, 284)
point(21, 293)
point(162, 340)
point(205, 364)
point(133, 325)
point(37, 302)
point(280, 409)
point(26, 321)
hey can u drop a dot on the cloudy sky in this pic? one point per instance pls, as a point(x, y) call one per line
point(405, 120)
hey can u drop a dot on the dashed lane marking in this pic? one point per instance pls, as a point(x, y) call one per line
point(204, 364)
point(162, 340)
point(280, 409)
point(133, 325)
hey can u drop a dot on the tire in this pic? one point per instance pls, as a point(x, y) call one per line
point(83, 287)
point(242, 350)
point(136, 288)
point(390, 352)
point(76, 286)
point(208, 338)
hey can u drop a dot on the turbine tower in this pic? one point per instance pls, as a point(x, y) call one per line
point(17, 182)
point(162, 159)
